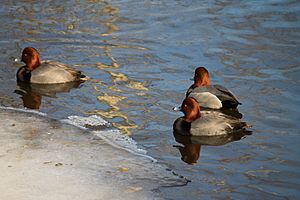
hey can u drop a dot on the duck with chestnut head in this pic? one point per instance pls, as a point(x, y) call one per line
point(47, 72)
point(210, 96)
point(205, 123)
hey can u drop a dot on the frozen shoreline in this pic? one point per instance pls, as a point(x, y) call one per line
point(42, 158)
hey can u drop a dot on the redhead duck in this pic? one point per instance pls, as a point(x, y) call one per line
point(47, 72)
point(205, 123)
point(210, 96)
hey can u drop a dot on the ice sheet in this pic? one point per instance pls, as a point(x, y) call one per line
point(114, 137)
point(42, 158)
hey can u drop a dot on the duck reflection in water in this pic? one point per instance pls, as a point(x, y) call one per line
point(190, 151)
point(32, 94)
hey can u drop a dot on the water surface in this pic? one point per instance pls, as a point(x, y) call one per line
point(141, 55)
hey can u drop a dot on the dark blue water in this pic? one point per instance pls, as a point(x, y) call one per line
point(141, 55)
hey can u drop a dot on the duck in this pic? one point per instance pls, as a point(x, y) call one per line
point(45, 72)
point(211, 96)
point(205, 123)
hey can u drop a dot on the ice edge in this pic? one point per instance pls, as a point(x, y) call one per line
point(94, 120)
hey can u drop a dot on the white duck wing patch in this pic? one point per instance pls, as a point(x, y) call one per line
point(222, 93)
point(206, 99)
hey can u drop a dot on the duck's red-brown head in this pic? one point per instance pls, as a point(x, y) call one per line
point(201, 77)
point(191, 109)
point(31, 57)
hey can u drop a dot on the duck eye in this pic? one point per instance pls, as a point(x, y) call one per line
point(25, 54)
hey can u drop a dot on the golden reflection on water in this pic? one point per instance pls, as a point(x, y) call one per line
point(137, 86)
point(108, 23)
point(115, 100)
point(113, 94)
point(114, 112)
point(118, 77)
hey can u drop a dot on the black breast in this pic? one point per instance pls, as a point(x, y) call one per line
point(182, 127)
point(23, 75)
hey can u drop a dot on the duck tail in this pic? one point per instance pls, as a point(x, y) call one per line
point(81, 77)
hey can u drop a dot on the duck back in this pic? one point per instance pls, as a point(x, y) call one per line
point(212, 123)
point(50, 72)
